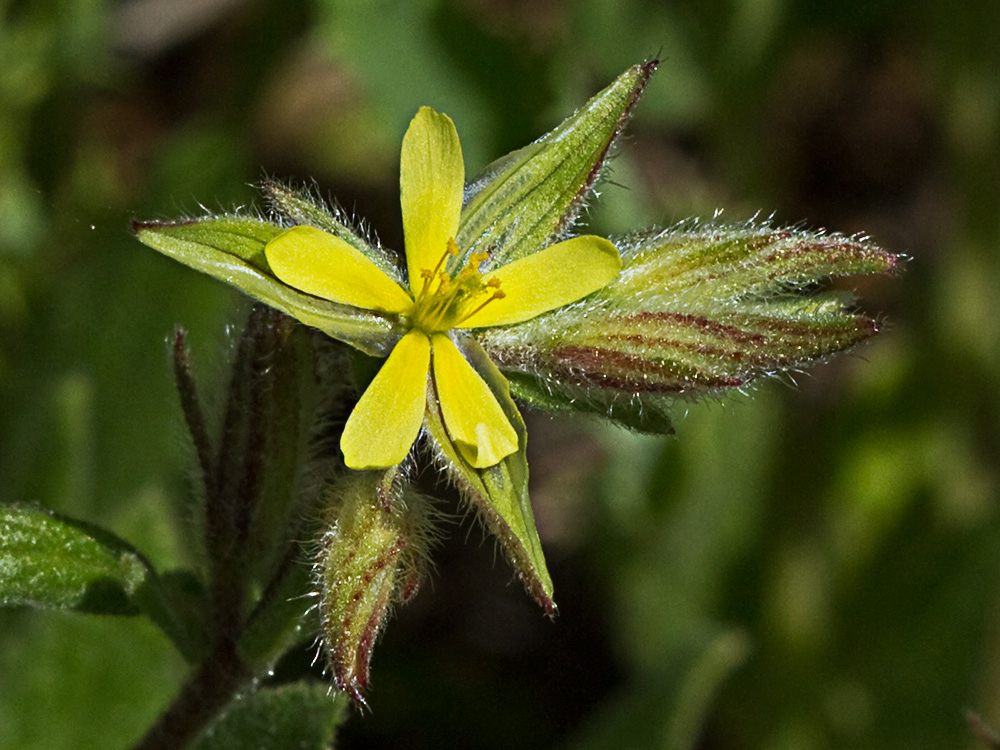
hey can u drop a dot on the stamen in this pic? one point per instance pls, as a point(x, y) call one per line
point(426, 275)
point(497, 294)
point(444, 300)
point(450, 249)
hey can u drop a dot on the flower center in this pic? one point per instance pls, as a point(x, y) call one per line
point(444, 301)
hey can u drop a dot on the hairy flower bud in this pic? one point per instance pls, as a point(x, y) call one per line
point(695, 310)
point(373, 555)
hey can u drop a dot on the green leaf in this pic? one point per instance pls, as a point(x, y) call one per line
point(55, 562)
point(231, 248)
point(527, 199)
point(279, 620)
point(300, 716)
point(499, 493)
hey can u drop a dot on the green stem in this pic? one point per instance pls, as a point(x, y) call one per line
point(235, 474)
point(191, 406)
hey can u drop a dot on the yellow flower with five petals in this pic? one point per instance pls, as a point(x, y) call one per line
point(450, 290)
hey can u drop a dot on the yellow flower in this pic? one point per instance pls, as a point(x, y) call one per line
point(449, 290)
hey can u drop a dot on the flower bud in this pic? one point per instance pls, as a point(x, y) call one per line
point(373, 555)
point(695, 310)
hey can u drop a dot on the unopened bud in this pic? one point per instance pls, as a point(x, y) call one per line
point(373, 555)
point(695, 310)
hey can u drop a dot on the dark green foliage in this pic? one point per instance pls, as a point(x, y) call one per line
point(303, 716)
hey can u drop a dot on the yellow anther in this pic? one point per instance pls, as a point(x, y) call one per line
point(445, 300)
point(450, 249)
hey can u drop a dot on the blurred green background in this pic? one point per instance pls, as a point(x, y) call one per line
point(813, 567)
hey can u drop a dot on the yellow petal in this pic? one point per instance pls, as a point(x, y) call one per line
point(474, 418)
point(553, 277)
point(318, 263)
point(381, 429)
point(431, 181)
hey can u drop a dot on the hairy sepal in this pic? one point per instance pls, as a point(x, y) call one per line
point(231, 249)
point(299, 206)
point(499, 494)
point(529, 198)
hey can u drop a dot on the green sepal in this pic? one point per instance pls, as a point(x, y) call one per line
point(282, 424)
point(299, 716)
point(258, 501)
point(642, 415)
point(498, 493)
point(529, 198)
point(231, 249)
point(709, 265)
